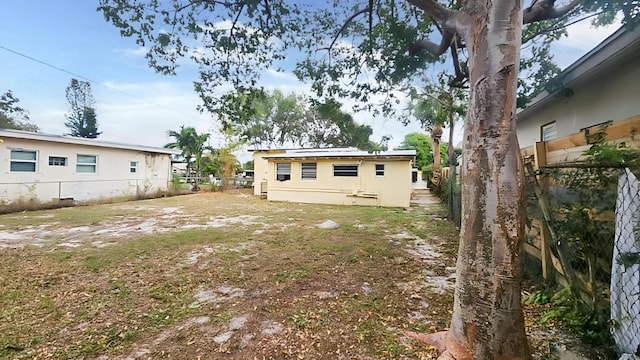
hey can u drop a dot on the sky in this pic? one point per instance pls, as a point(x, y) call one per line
point(43, 44)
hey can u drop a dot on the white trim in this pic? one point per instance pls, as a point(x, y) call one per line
point(27, 135)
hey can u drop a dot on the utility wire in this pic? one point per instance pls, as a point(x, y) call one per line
point(90, 80)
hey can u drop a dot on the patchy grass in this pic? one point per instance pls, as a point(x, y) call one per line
point(217, 275)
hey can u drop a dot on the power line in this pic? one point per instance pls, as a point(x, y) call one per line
point(90, 80)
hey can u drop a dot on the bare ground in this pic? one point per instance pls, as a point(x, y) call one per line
point(227, 276)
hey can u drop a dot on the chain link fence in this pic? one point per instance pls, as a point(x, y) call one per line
point(583, 236)
point(625, 273)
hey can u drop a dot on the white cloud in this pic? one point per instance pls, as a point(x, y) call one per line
point(581, 37)
point(137, 52)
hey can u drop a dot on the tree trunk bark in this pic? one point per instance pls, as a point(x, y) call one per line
point(487, 320)
point(436, 135)
point(451, 152)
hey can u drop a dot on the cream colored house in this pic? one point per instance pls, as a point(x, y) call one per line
point(343, 176)
point(600, 87)
point(42, 168)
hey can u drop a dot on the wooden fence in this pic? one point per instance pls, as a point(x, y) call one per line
point(564, 152)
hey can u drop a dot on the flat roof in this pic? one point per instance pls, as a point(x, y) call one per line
point(28, 135)
point(342, 153)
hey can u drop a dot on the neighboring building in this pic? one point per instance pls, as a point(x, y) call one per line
point(599, 87)
point(343, 176)
point(43, 168)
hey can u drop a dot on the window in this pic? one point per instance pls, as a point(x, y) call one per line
point(548, 132)
point(86, 163)
point(57, 161)
point(133, 167)
point(345, 170)
point(379, 169)
point(309, 170)
point(23, 160)
point(283, 171)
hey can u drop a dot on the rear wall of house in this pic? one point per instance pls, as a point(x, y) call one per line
point(117, 172)
point(392, 188)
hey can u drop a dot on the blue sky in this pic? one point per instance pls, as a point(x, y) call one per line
point(135, 105)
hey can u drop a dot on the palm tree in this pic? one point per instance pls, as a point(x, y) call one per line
point(189, 142)
point(183, 141)
point(198, 149)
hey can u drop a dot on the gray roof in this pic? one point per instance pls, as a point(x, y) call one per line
point(28, 135)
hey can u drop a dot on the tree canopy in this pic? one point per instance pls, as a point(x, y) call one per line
point(81, 119)
point(272, 119)
point(422, 144)
point(350, 48)
point(13, 116)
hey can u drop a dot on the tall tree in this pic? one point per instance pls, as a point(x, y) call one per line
point(487, 320)
point(13, 116)
point(81, 119)
point(327, 125)
point(440, 104)
point(274, 120)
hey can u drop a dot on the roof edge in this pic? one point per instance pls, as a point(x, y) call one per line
point(28, 135)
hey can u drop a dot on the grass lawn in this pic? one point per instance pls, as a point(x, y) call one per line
point(223, 276)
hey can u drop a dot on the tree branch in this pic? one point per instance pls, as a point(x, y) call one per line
point(458, 80)
point(344, 26)
point(431, 47)
point(267, 8)
point(555, 27)
point(545, 10)
point(438, 13)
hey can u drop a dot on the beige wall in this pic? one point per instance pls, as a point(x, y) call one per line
point(260, 168)
point(111, 179)
point(613, 96)
point(392, 189)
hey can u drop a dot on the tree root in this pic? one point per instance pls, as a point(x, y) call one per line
point(444, 344)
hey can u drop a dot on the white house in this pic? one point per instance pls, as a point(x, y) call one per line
point(43, 168)
point(343, 176)
point(602, 86)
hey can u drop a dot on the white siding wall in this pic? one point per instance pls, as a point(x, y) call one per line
point(112, 178)
point(611, 97)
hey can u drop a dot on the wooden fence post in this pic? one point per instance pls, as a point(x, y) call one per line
point(540, 161)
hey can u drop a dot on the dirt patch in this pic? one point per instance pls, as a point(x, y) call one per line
point(219, 294)
point(223, 276)
point(156, 220)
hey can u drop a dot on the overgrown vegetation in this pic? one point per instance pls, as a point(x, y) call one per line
point(581, 198)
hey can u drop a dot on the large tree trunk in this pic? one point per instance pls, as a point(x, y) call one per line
point(487, 318)
point(452, 203)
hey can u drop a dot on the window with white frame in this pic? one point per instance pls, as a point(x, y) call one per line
point(86, 163)
point(133, 167)
point(548, 131)
point(283, 171)
point(57, 161)
point(345, 170)
point(379, 169)
point(23, 161)
point(309, 170)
